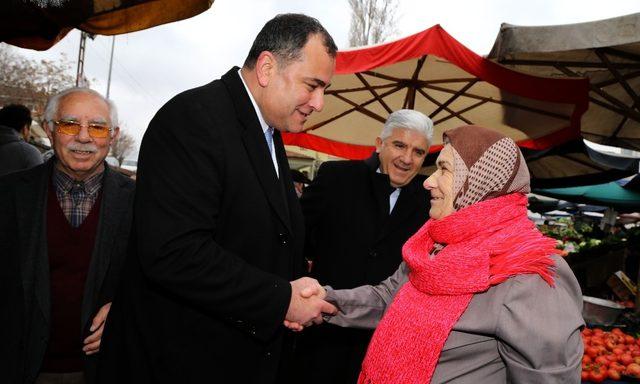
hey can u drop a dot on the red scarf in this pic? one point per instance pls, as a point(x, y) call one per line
point(484, 244)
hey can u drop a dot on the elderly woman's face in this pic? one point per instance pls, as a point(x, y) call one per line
point(440, 185)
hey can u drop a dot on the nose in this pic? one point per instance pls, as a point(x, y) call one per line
point(83, 136)
point(429, 183)
point(317, 100)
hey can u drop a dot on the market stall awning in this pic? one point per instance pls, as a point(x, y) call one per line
point(607, 52)
point(609, 194)
point(432, 72)
point(41, 24)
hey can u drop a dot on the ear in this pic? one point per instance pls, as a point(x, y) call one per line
point(116, 134)
point(378, 144)
point(48, 129)
point(266, 66)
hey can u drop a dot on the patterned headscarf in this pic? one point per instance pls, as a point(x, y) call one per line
point(486, 165)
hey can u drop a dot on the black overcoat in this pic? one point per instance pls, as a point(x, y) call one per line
point(353, 241)
point(217, 238)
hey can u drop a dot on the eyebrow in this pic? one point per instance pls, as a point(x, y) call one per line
point(442, 163)
point(101, 120)
point(319, 82)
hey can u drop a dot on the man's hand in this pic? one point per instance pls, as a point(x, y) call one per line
point(92, 342)
point(306, 310)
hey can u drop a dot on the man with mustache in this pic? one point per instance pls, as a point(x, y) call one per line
point(64, 227)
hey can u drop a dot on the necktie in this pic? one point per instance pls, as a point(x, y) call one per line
point(77, 193)
point(268, 134)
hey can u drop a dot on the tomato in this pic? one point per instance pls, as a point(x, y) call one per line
point(617, 331)
point(597, 374)
point(587, 331)
point(626, 359)
point(602, 360)
point(586, 359)
point(628, 339)
point(592, 352)
point(584, 376)
point(617, 366)
point(610, 344)
point(596, 341)
point(618, 351)
point(611, 358)
point(613, 374)
point(632, 369)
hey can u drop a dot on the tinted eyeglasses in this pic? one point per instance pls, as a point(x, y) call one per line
point(71, 127)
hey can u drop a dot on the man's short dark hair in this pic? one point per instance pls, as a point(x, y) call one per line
point(285, 35)
point(15, 116)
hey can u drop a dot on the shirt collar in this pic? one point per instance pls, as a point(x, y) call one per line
point(263, 123)
point(64, 182)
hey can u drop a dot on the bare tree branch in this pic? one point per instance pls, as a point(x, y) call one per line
point(122, 146)
point(372, 21)
point(31, 82)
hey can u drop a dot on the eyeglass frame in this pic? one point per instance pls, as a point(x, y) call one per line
point(87, 125)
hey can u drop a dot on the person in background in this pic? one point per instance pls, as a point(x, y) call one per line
point(15, 152)
point(300, 181)
point(357, 216)
point(64, 227)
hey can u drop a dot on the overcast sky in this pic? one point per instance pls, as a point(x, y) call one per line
point(153, 65)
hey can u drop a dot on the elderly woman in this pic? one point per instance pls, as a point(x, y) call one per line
point(481, 296)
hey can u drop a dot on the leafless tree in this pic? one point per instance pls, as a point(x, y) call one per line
point(122, 146)
point(31, 82)
point(372, 21)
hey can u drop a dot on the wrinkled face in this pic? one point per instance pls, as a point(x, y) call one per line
point(440, 185)
point(294, 92)
point(401, 155)
point(81, 156)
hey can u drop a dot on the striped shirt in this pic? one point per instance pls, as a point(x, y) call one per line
point(76, 197)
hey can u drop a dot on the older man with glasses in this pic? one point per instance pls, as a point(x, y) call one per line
point(64, 227)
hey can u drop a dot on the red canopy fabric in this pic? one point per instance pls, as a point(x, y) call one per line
point(428, 64)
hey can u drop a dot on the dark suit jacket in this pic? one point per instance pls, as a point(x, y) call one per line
point(353, 241)
point(218, 238)
point(24, 266)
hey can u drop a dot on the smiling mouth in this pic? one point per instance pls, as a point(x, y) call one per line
point(82, 152)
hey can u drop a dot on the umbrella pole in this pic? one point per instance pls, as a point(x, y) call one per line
point(80, 71)
point(113, 43)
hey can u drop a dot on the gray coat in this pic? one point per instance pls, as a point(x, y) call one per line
point(15, 153)
point(520, 331)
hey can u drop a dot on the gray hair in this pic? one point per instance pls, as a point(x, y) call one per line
point(409, 119)
point(51, 110)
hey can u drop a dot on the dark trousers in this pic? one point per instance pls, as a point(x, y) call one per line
point(61, 378)
point(330, 354)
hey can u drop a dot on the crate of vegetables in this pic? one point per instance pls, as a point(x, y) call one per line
point(612, 355)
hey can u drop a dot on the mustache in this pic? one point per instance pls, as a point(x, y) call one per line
point(86, 147)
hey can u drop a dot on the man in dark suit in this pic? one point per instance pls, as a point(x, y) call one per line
point(64, 227)
point(218, 229)
point(358, 214)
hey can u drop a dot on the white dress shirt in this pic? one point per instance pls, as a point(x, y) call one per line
point(263, 124)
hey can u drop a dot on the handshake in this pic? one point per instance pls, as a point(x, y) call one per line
point(307, 304)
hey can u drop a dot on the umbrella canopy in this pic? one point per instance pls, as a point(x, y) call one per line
point(433, 73)
point(40, 24)
point(607, 52)
point(609, 194)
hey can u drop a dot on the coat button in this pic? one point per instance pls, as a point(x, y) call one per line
point(373, 254)
point(283, 238)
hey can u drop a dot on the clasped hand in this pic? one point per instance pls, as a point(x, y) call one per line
point(307, 304)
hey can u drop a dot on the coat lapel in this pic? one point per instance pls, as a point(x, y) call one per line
point(256, 146)
point(404, 207)
point(32, 209)
point(112, 209)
